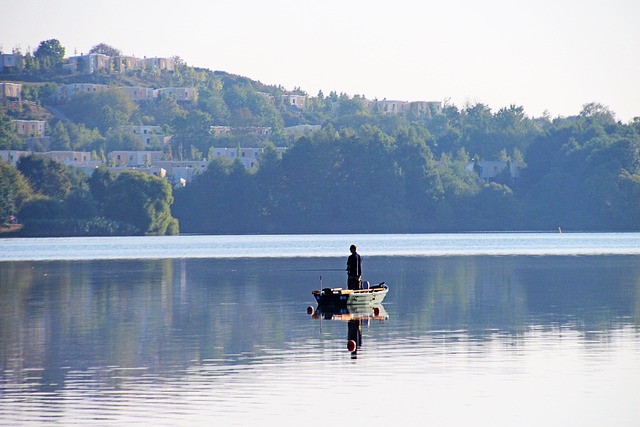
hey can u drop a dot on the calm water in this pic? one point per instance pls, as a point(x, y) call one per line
point(485, 329)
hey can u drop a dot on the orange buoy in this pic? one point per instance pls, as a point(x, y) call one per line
point(351, 346)
point(310, 310)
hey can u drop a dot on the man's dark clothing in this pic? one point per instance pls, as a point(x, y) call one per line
point(354, 270)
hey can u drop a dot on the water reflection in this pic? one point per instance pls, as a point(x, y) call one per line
point(354, 316)
point(104, 337)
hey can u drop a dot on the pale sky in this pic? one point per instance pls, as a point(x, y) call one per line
point(554, 55)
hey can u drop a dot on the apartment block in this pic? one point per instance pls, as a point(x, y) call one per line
point(134, 158)
point(11, 91)
point(67, 92)
point(180, 94)
point(29, 128)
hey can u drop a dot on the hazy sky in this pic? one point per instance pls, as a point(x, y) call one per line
point(554, 55)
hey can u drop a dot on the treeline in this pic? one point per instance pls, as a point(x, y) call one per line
point(582, 173)
point(390, 174)
point(50, 200)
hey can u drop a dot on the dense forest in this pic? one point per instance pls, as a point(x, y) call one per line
point(363, 171)
point(397, 175)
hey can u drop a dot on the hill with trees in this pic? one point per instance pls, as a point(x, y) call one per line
point(360, 169)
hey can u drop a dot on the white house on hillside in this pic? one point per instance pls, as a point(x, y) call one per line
point(296, 102)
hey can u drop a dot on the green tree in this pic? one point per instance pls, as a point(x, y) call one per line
point(422, 183)
point(82, 138)
point(8, 138)
point(41, 208)
point(31, 64)
point(105, 49)
point(99, 183)
point(212, 102)
point(192, 130)
point(103, 110)
point(268, 180)
point(221, 199)
point(14, 191)
point(123, 139)
point(165, 111)
point(627, 202)
point(141, 200)
point(47, 177)
point(60, 139)
point(50, 54)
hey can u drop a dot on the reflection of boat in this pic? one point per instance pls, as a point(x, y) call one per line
point(357, 312)
point(355, 316)
point(343, 297)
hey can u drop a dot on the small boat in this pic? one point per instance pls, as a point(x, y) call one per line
point(341, 297)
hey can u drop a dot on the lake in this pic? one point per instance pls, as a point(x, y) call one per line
point(501, 329)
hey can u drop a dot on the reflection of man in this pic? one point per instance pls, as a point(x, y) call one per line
point(355, 334)
point(354, 269)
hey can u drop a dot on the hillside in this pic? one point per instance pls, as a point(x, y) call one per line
point(364, 166)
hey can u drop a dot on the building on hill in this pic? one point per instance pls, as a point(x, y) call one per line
point(160, 64)
point(138, 93)
point(68, 158)
point(425, 107)
point(29, 128)
point(11, 91)
point(150, 136)
point(77, 159)
point(13, 156)
point(390, 106)
point(181, 172)
point(179, 94)
point(95, 62)
point(67, 92)
point(11, 63)
point(123, 63)
point(403, 107)
point(134, 158)
point(294, 102)
point(488, 170)
point(247, 156)
point(87, 64)
point(151, 170)
point(177, 172)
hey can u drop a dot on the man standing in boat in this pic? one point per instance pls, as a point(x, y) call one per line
point(354, 269)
